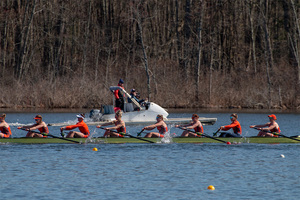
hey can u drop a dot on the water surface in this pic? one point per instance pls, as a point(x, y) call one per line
point(151, 171)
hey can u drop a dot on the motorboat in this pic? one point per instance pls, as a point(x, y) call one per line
point(136, 113)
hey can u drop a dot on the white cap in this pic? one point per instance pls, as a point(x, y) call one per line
point(79, 116)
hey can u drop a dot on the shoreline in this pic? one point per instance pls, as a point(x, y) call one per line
point(170, 110)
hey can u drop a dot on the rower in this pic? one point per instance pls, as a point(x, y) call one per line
point(160, 125)
point(235, 126)
point(119, 126)
point(272, 128)
point(81, 125)
point(39, 125)
point(195, 124)
point(4, 127)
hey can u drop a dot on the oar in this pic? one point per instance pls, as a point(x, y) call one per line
point(126, 134)
point(279, 134)
point(205, 135)
point(46, 134)
point(140, 132)
point(215, 133)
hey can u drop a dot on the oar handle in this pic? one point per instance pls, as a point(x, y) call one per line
point(25, 129)
point(215, 133)
point(140, 132)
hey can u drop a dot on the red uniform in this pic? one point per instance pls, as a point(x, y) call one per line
point(236, 127)
point(162, 130)
point(43, 129)
point(120, 130)
point(119, 102)
point(199, 129)
point(83, 128)
point(275, 130)
point(6, 131)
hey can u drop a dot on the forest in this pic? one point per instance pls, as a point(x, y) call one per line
point(178, 54)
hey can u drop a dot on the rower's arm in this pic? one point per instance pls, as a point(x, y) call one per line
point(37, 127)
point(107, 124)
point(194, 125)
point(151, 127)
point(118, 126)
point(270, 127)
point(29, 126)
point(260, 126)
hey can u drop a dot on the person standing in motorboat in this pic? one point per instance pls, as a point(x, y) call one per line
point(160, 125)
point(81, 125)
point(119, 102)
point(4, 127)
point(271, 128)
point(40, 125)
point(119, 126)
point(195, 124)
point(235, 126)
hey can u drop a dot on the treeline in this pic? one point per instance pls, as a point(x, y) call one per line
point(66, 53)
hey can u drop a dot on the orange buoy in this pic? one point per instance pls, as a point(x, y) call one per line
point(211, 187)
point(95, 149)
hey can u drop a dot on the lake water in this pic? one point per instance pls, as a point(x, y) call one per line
point(151, 171)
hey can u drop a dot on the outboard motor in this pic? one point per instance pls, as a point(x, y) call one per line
point(95, 115)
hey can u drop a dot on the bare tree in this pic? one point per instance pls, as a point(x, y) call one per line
point(296, 41)
point(268, 50)
point(198, 62)
point(138, 19)
point(24, 36)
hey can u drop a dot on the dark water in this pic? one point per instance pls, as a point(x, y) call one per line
point(151, 171)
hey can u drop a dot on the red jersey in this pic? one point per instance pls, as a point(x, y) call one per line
point(118, 93)
point(199, 129)
point(121, 129)
point(83, 128)
point(162, 130)
point(275, 130)
point(236, 127)
point(43, 129)
point(6, 131)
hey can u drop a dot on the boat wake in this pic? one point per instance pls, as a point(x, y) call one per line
point(167, 138)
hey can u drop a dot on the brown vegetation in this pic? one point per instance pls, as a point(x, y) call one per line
point(243, 54)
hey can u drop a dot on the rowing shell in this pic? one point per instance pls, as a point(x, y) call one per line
point(259, 140)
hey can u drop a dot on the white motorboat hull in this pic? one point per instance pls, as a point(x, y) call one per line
point(139, 115)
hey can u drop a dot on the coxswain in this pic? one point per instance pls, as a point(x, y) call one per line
point(160, 125)
point(4, 127)
point(195, 124)
point(119, 126)
point(39, 125)
point(272, 128)
point(81, 125)
point(235, 126)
